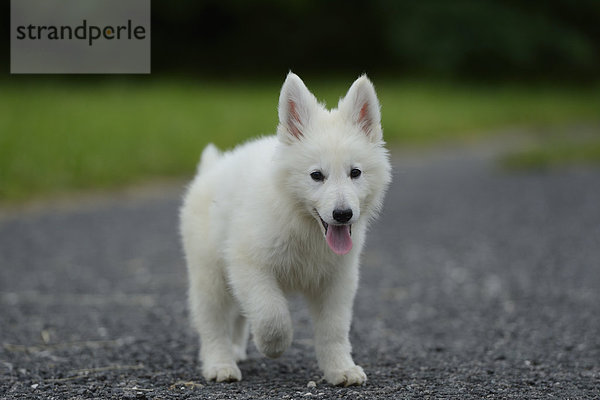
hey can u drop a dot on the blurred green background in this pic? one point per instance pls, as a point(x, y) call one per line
point(444, 71)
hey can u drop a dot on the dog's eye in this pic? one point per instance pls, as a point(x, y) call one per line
point(317, 176)
point(355, 173)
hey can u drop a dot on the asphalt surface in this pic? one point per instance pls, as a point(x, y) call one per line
point(476, 283)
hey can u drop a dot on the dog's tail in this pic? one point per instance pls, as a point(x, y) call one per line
point(210, 155)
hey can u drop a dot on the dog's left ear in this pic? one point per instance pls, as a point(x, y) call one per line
point(362, 107)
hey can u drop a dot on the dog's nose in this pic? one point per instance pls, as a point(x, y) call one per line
point(342, 216)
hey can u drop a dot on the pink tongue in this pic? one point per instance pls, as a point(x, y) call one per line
point(338, 238)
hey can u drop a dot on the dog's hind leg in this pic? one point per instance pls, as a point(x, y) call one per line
point(241, 333)
point(213, 309)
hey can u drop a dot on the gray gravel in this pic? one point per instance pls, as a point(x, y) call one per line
point(476, 283)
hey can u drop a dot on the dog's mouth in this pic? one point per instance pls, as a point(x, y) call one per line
point(337, 236)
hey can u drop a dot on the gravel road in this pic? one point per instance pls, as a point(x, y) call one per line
point(476, 283)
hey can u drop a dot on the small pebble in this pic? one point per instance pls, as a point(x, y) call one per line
point(311, 384)
point(35, 385)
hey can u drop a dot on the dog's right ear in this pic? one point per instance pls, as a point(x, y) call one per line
point(296, 105)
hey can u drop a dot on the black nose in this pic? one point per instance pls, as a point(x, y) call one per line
point(342, 216)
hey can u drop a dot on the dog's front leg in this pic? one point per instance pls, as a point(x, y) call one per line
point(331, 309)
point(265, 305)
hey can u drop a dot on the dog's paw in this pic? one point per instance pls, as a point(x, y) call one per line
point(273, 345)
point(353, 376)
point(272, 337)
point(222, 373)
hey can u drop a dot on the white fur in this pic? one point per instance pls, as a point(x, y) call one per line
point(251, 231)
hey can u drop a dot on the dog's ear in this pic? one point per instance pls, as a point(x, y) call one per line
point(296, 105)
point(362, 107)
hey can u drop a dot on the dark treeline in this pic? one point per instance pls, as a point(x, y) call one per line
point(473, 39)
point(477, 39)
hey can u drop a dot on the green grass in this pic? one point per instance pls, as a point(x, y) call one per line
point(60, 137)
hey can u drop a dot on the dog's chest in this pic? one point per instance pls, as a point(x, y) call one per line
point(304, 263)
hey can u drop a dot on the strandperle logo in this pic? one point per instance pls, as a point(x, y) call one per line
point(90, 33)
point(80, 36)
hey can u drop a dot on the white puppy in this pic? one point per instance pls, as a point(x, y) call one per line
point(280, 214)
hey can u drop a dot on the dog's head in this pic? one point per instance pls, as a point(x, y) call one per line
point(333, 163)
